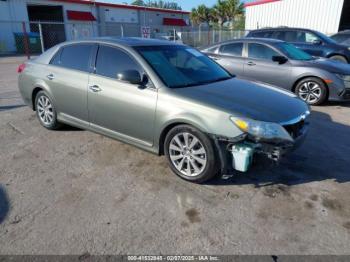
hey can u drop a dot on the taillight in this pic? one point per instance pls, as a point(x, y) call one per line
point(21, 68)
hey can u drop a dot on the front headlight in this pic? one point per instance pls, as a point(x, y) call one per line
point(344, 77)
point(262, 130)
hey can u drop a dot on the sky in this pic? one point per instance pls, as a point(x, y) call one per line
point(186, 5)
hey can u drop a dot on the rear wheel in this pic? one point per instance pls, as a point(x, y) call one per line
point(190, 154)
point(339, 58)
point(312, 90)
point(45, 110)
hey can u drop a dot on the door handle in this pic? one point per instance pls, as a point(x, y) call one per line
point(95, 88)
point(251, 63)
point(50, 76)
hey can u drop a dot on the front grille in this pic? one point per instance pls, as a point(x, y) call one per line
point(295, 130)
point(346, 93)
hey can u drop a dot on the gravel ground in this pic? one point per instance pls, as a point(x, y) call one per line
point(76, 192)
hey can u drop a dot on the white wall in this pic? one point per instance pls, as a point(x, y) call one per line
point(119, 15)
point(320, 15)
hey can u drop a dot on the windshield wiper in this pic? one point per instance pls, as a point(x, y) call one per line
point(203, 82)
point(216, 80)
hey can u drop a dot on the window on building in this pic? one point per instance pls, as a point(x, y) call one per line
point(259, 51)
point(111, 61)
point(74, 57)
point(234, 49)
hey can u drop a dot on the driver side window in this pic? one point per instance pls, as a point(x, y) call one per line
point(112, 61)
point(307, 37)
point(259, 51)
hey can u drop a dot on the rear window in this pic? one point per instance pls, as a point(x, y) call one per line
point(234, 49)
point(211, 49)
point(74, 57)
point(261, 34)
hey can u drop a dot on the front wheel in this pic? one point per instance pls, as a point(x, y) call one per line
point(339, 58)
point(312, 90)
point(190, 154)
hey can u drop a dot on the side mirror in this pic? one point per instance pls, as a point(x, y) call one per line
point(279, 59)
point(317, 42)
point(130, 76)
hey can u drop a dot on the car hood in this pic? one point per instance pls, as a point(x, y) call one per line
point(326, 64)
point(247, 99)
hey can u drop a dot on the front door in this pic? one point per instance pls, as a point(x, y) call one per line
point(119, 108)
point(260, 67)
point(310, 43)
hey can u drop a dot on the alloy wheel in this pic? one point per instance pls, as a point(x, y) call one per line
point(310, 92)
point(45, 110)
point(187, 154)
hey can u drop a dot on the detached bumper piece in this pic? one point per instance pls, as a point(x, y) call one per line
point(238, 155)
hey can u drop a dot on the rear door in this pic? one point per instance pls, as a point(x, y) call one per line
point(119, 108)
point(67, 77)
point(260, 67)
point(231, 58)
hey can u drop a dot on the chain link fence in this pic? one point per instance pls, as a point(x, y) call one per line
point(33, 38)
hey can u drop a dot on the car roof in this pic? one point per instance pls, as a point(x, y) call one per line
point(125, 41)
point(246, 39)
point(282, 28)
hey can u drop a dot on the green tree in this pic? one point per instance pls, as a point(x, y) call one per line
point(223, 11)
point(201, 14)
point(138, 2)
point(163, 4)
point(220, 12)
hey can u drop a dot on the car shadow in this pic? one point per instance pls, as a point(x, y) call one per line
point(5, 108)
point(323, 156)
point(66, 127)
point(4, 204)
point(336, 103)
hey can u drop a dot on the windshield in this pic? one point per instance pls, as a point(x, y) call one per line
point(182, 66)
point(292, 52)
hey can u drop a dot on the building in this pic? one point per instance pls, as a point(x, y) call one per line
point(62, 20)
point(327, 16)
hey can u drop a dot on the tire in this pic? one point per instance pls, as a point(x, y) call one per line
point(45, 111)
point(312, 90)
point(193, 162)
point(339, 58)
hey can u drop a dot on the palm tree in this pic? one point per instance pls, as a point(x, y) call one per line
point(234, 9)
point(138, 2)
point(220, 12)
point(225, 11)
point(201, 14)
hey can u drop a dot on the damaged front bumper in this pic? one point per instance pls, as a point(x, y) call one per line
point(237, 153)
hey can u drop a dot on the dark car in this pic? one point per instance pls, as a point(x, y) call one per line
point(310, 41)
point(342, 37)
point(281, 64)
